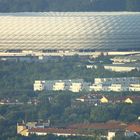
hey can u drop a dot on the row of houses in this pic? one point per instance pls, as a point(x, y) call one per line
point(8, 101)
point(110, 129)
point(95, 99)
point(100, 84)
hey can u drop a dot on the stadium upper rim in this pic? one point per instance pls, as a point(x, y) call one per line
point(68, 13)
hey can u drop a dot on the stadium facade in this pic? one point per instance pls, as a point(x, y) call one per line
point(70, 31)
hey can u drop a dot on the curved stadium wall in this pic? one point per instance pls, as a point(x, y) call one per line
point(70, 31)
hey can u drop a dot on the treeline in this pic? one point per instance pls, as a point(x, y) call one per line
point(68, 5)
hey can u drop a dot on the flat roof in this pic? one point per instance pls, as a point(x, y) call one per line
point(124, 65)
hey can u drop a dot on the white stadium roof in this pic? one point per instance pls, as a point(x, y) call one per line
point(70, 30)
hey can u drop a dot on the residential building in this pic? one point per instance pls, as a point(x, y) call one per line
point(115, 87)
point(122, 53)
point(111, 135)
point(131, 58)
point(91, 66)
point(118, 87)
point(59, 86)
point(74, 85)
point(134, 87)
point(133, 130)
point(39, 85)
point(96, 87)
point(22, 129)
point(89, 99)
point(100, 84)
point(116, 84)
point(122, 67)
point(38, 124)
point(73, 130)
point(104, 100)
point(98, 99)
point(129, 101)
point(109, 126)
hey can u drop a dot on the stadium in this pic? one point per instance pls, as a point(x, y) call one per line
point(70, 31)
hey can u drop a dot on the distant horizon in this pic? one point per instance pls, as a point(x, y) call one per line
point(68, 5)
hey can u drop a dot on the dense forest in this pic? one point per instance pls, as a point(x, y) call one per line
point(68, 5)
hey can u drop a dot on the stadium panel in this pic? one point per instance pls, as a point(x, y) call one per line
point(70, 31)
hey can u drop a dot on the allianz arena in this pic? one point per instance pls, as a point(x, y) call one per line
point(70, 31)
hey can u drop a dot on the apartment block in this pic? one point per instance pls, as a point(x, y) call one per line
point(116, 84)
point(74, 85)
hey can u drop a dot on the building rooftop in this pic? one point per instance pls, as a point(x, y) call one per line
point(124, 65)
point(70, 31)
point(102, 126)
point(134, 128)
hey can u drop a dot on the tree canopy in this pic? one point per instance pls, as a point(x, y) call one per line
point(68, 5)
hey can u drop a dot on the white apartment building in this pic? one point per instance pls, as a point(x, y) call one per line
point(121, 68)
point(118, 87)
point(75, 85)
point(91, 66)
point(96, 87)
point(116, 84)
point(39, 85)
point(100, 84)
point(134, 87)
point(115, 87)
point(59, 86)
point(131, 58)
point(123, 59)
